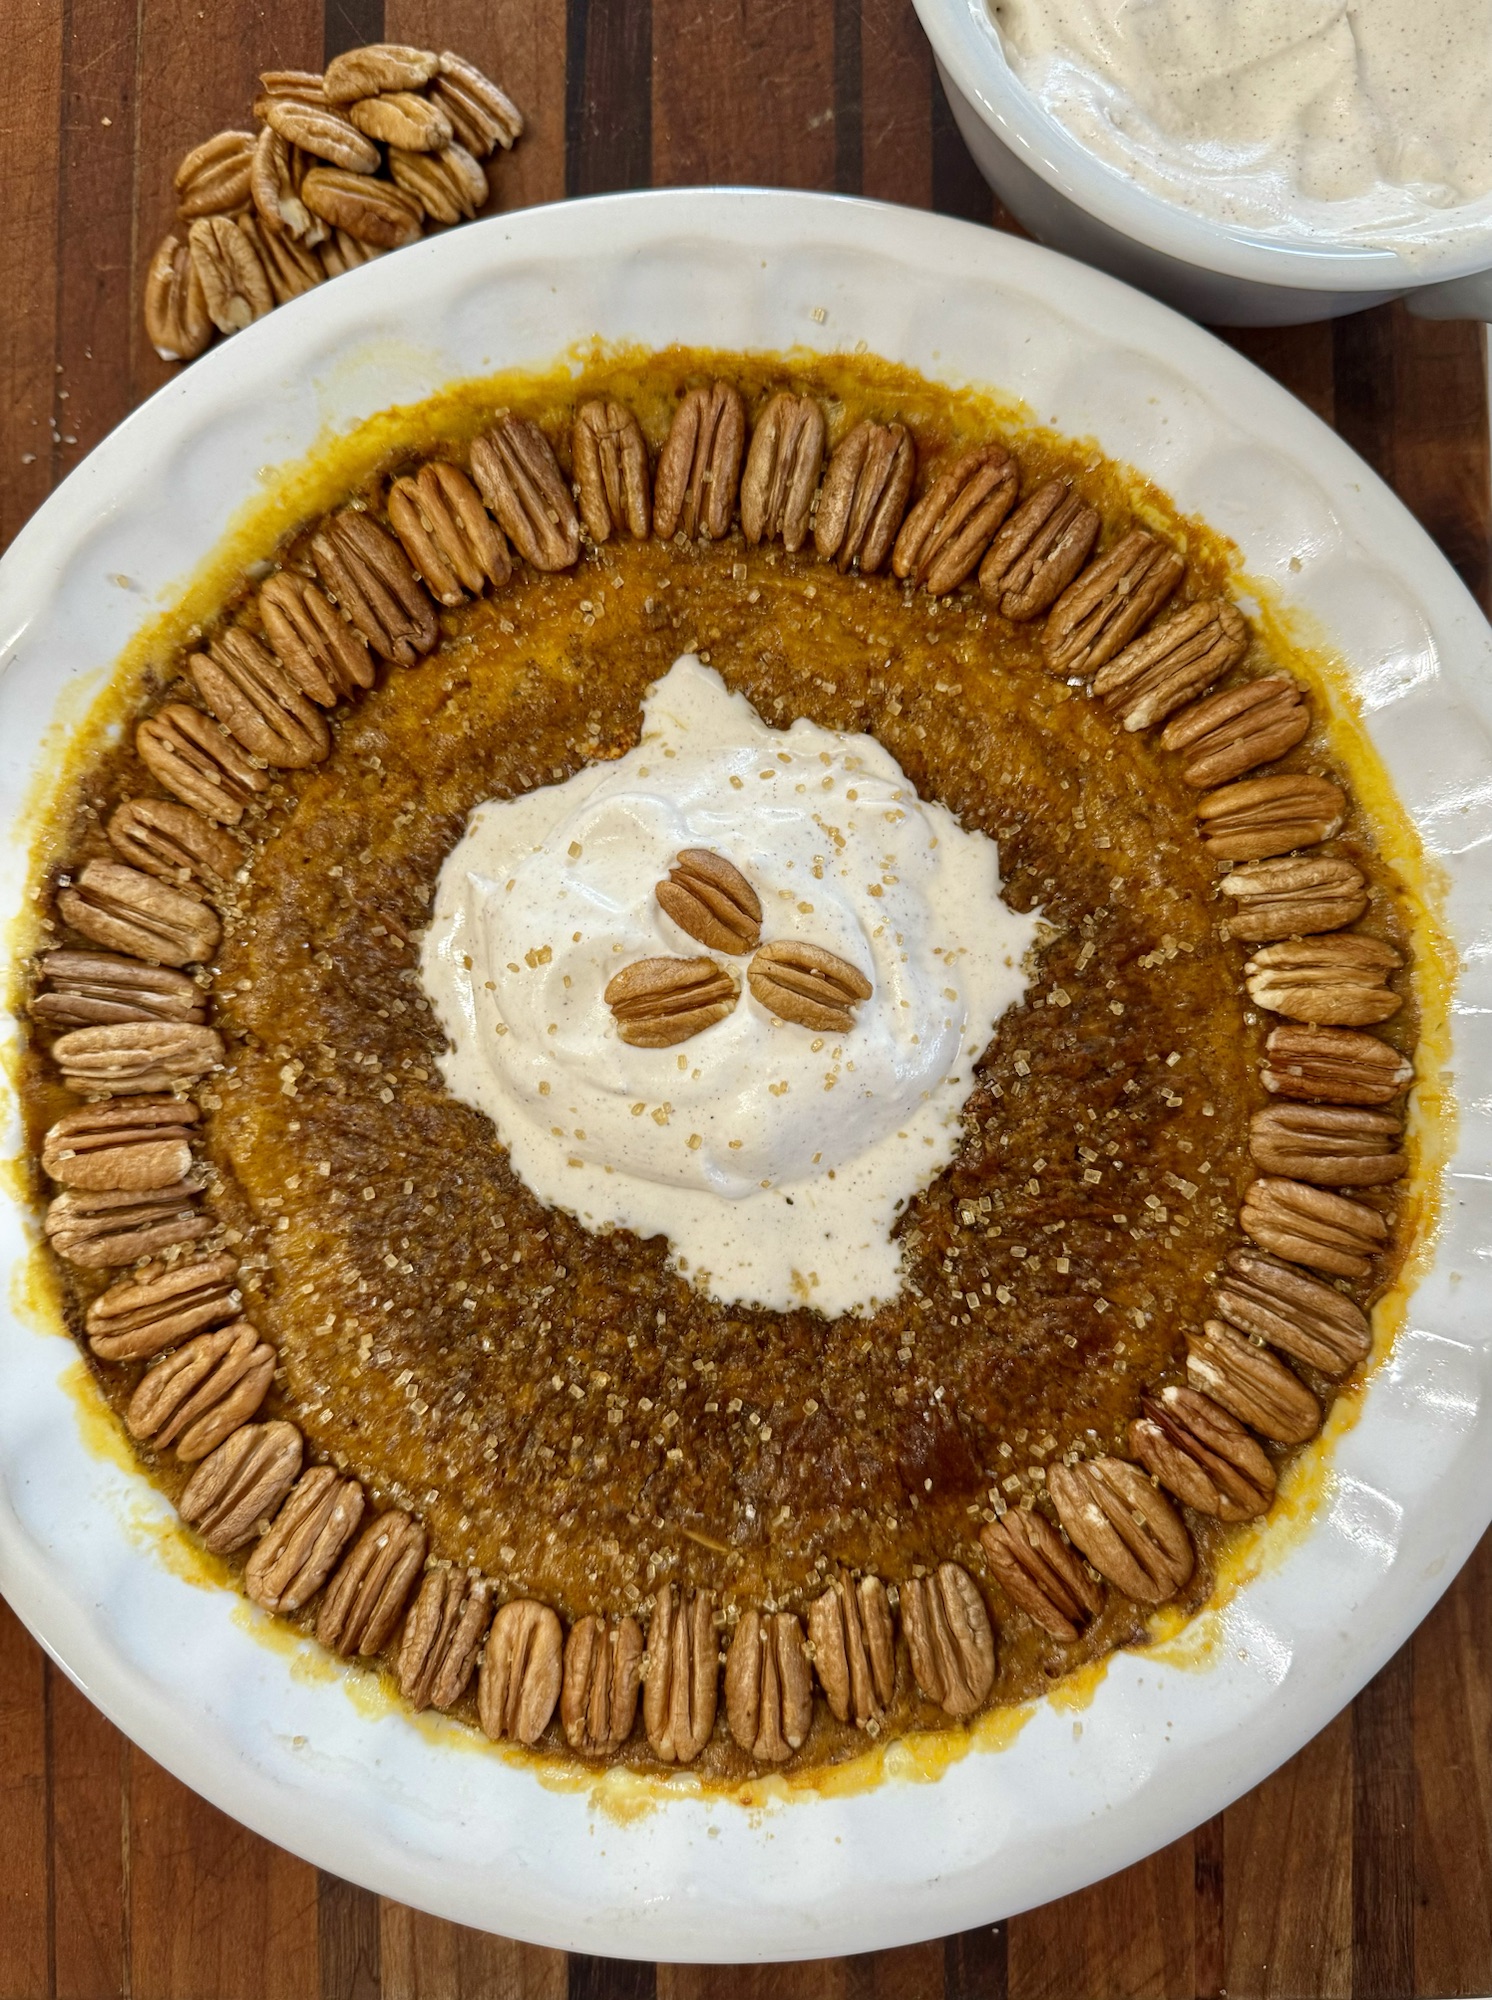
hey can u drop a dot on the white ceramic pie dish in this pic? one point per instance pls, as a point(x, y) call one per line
point(463, 1831)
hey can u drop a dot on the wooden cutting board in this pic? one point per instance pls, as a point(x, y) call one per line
point(1360, 1869)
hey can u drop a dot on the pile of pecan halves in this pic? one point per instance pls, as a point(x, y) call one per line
point(341, 167)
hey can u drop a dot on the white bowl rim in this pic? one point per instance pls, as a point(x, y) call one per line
point(481, 1841)
point(967, 44)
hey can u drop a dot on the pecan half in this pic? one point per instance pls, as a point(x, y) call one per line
point(711, 901)
point(199, 1395)
point(177, 323)
point(519, 476)
point(81, 987)
point(854, 1649)
point(369, 576)
point(371, 210)
point(197, 762)
point(1202, 1455)
point(1293, 1311)
point(1039, 551)
point(274, 181)
point(173, 843)
point(610, 457)
point(1261, 817)
point(213, 179)
point(442, 1636)
point(405, 119)
point(325, 657)
point(481, 115)
point(1128, 1531)
point(449, 185)
point(949, 1638)
point(1327, 981)
point(135, 913)
point(598, 1694)
point(1226, 734)
point(447, 533)
point(1114, 598)
point(1299, 895)
point(235, 284)
point(366, 1597)
point(378, 67)
point(1311, 1226)
point(1333, 1145)
point(681, 1675)
point(768, 1686)
point(122, 1058)
point(161, 1304)
point(233, 1495)
point(951, 526)
point(145, 1143)
point(256, 701)
point(521, 1672)
point(1337, 1064)
point(303, 1543)
point(782, 471)
point(699, 467)
point(341, 252)
point(805, 984)
point(98, 1231)
point(1181, 654)
point(298, 86)
point(1252, 1383)
point(660, 1001)
point(1040, 1574)
point(329, 134)
point(292, 268)
point(864, 496)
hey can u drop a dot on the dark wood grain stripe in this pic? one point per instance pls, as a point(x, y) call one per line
point(608, 96)
point(347, 1938)
point(1453, 1787)
point(610, 1979)
point(849, 166)
point(910, 1972)
point(975, 1964)
point(1383, 1833)
point(958, 187)
point(1363, 368)
point(1209, 1954)
point(349, 24)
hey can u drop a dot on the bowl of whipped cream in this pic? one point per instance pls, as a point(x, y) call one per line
point(1251, 162)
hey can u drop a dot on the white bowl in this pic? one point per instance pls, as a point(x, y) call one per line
point(1216, 271)
point(415, 1810)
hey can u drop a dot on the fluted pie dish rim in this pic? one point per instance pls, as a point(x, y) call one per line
point(783, 270)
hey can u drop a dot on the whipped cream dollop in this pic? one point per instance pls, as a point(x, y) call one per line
point(1364, 120)
point(774, 1158)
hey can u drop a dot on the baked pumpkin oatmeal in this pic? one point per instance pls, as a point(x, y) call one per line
point(725, 1070)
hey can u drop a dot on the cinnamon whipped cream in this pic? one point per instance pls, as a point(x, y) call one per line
point(775, 1159)
point(1369, 120)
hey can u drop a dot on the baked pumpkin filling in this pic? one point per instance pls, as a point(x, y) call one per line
point(664, 1488)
